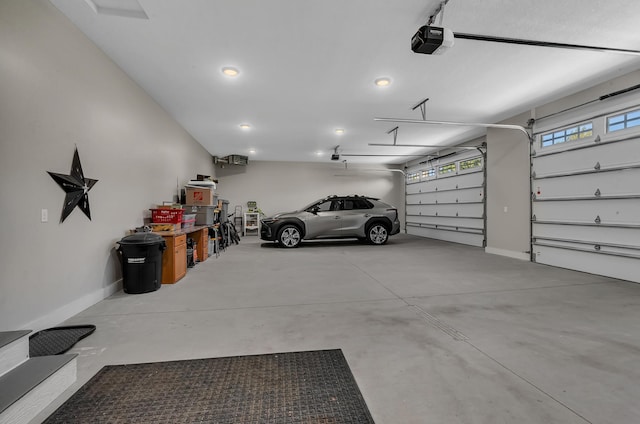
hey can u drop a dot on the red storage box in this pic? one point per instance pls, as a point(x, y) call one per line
point(166, 216)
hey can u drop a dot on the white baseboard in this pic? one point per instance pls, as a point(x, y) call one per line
point(509, 253)
point(65, 312)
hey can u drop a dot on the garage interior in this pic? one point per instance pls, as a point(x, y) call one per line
point(511, 294)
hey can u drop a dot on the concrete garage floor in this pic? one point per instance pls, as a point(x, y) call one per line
point(434, 332)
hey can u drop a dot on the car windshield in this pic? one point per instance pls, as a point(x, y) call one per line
point(312, 204)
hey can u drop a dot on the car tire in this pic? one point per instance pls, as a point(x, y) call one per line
point(289, 236)
point(377, 233)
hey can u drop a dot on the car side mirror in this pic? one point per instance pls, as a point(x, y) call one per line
point(314, 210)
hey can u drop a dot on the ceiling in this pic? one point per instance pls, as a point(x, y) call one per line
point(307, 67)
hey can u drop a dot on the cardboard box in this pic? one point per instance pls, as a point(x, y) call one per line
point(200, 196)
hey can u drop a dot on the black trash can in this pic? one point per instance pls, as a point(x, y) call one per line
point(141, 262)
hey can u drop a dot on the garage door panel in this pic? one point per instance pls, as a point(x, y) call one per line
point(453, 182)
point(452, 236)
point(607, 155)
point(624, 211)
point(418, 187)
point(606, 184)
point(457, 196)
point(450, 222)
point(591, 262)
point(593, 234)
point(469, 209)
point(474, 179)
point(422, 198)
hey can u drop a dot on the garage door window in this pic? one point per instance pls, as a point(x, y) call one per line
point(623, 121)
point(578, 132)
point(428, 174)
point(470, 164)
point(446, 169)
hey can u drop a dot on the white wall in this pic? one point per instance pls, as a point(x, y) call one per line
point(286, 186)
point(58, 91)
point(508, 190)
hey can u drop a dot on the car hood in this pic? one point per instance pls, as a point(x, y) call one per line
point(284, 215)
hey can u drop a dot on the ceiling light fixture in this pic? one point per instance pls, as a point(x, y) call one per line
point(245, 126)
point(230, 71)
point(383, 81)
point(339, 131)
point(319, 153)
point(252, 151)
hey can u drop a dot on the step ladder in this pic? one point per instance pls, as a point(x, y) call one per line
point(28, 385)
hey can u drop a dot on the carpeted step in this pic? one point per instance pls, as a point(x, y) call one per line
point(30, 387)
point(14, 349)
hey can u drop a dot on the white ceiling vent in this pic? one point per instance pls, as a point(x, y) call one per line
point(123, 8)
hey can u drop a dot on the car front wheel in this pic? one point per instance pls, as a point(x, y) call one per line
point(377, 234)
point(289, 236)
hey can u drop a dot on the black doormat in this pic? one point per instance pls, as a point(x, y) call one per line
point(57, 340)
point(298, 387)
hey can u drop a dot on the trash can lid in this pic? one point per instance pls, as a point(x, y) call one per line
point(142, 239)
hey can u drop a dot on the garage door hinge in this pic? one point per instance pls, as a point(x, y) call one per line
point(597, 193)
point(533, 153)
point(533, 218)
point(597, 247)
point(598, 220)
point(597, 167)
point(597, 140)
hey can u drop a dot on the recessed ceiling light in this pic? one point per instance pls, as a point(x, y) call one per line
point(319, 153)
point(245, 126)
point(383, 81)
point(230, 71)
point(252, 151)
point(339, 131)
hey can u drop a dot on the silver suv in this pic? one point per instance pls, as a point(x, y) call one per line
point(333, 217)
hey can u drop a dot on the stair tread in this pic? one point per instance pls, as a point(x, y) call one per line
point(7, 337)
point(22, 379)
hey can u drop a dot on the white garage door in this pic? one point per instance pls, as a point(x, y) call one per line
point(445, 198)
point(586, 191)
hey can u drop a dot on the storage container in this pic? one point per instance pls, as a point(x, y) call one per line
point(166, 216)
point(205, 215)
point(141, 262)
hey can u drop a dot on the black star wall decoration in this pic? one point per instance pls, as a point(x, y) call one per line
point(77, 188)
